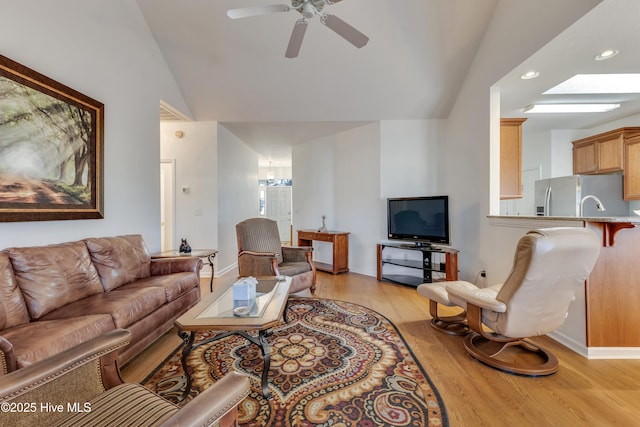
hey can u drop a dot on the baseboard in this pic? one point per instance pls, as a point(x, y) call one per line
point(596, 352)
point(614, 353)
point(570, 343)
point(223, 271)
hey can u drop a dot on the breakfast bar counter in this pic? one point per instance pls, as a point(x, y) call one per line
point(612, 291)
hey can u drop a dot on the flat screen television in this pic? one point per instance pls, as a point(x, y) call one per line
point(422, 220)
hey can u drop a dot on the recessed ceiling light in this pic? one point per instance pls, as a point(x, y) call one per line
point(530, 75)
point(606, 54)
point(569, 108)
point(598, 83)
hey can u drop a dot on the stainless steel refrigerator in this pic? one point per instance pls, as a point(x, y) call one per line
point(561, 196)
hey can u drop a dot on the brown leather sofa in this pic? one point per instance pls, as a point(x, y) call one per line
point(56, 297)
point(82, 386)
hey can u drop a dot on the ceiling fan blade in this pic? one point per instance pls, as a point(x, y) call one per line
point(345, 30)
point(246, 12)
point(332, 1)
point(297, 35)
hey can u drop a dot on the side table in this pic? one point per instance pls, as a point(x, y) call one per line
point(207, 255)
point(340, 241)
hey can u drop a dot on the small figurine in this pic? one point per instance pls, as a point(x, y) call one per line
point(184, 246)
point(324, 227)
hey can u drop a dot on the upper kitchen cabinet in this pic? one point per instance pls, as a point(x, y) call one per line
point(632, 168)
point(511, 158)
point(602, 153)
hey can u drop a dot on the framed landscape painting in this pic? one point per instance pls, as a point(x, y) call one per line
point(51, 148)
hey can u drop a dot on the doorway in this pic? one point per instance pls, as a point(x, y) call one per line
point(167, 204)
point(277, 206)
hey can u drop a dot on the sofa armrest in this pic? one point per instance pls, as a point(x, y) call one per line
point(102, 349)
point(297, 253)
point(257, 263)
point(76, 375)
point(7, 356)
point(217, 403)
point(162, 266)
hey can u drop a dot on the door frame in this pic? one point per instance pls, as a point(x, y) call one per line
point(168, 205)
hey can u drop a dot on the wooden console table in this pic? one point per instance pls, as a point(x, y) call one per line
point(340, 241)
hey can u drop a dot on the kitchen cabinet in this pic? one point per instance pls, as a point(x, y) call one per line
point(632, 168)
point(511, 158)
point(601, 153)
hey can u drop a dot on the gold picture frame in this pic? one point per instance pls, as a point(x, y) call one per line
point(51, 148)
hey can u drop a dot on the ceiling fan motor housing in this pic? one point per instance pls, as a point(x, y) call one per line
point(309, 8)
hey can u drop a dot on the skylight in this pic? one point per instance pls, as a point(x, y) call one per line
point(598, 83)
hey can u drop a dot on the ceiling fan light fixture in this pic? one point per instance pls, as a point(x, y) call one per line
point(308, 11)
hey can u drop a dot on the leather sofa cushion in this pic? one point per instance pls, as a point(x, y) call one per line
point(125, 306)
point(174, 285)
point(120, 259)
point(54, 276)
point(13, 310)
point(37, 340)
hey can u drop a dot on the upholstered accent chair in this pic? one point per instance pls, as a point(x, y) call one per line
point(550, 266)
point(83, 386)
point(260, 253)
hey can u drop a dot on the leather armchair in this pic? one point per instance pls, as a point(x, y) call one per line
point(83, 386)
point(550, 266)
point(260, 253)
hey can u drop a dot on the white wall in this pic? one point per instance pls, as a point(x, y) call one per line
point(104, 50)
point(237, 194)
point(410, 157)
point(357, 194)
point(313, 171)
point(409, 161)
point(196, 171)
point(349, 176)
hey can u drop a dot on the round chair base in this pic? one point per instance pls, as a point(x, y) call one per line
point(517, 357)
point(452, 325)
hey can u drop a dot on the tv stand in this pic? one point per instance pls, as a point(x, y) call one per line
point(412, 265)
point(417, 245)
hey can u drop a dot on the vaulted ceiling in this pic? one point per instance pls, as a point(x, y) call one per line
point(418, 55)
point(235, 71)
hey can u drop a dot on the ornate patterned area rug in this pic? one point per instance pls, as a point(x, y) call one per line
point(332, 364)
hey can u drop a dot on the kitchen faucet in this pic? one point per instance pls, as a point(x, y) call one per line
point(599, 204)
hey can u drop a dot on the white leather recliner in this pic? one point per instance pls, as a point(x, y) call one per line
point(550, 266)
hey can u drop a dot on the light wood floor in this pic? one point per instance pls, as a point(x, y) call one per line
point(582, 393)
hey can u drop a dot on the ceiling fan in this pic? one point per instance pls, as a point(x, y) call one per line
point(308, 9)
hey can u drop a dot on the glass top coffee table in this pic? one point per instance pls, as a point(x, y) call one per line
point(216, 313)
